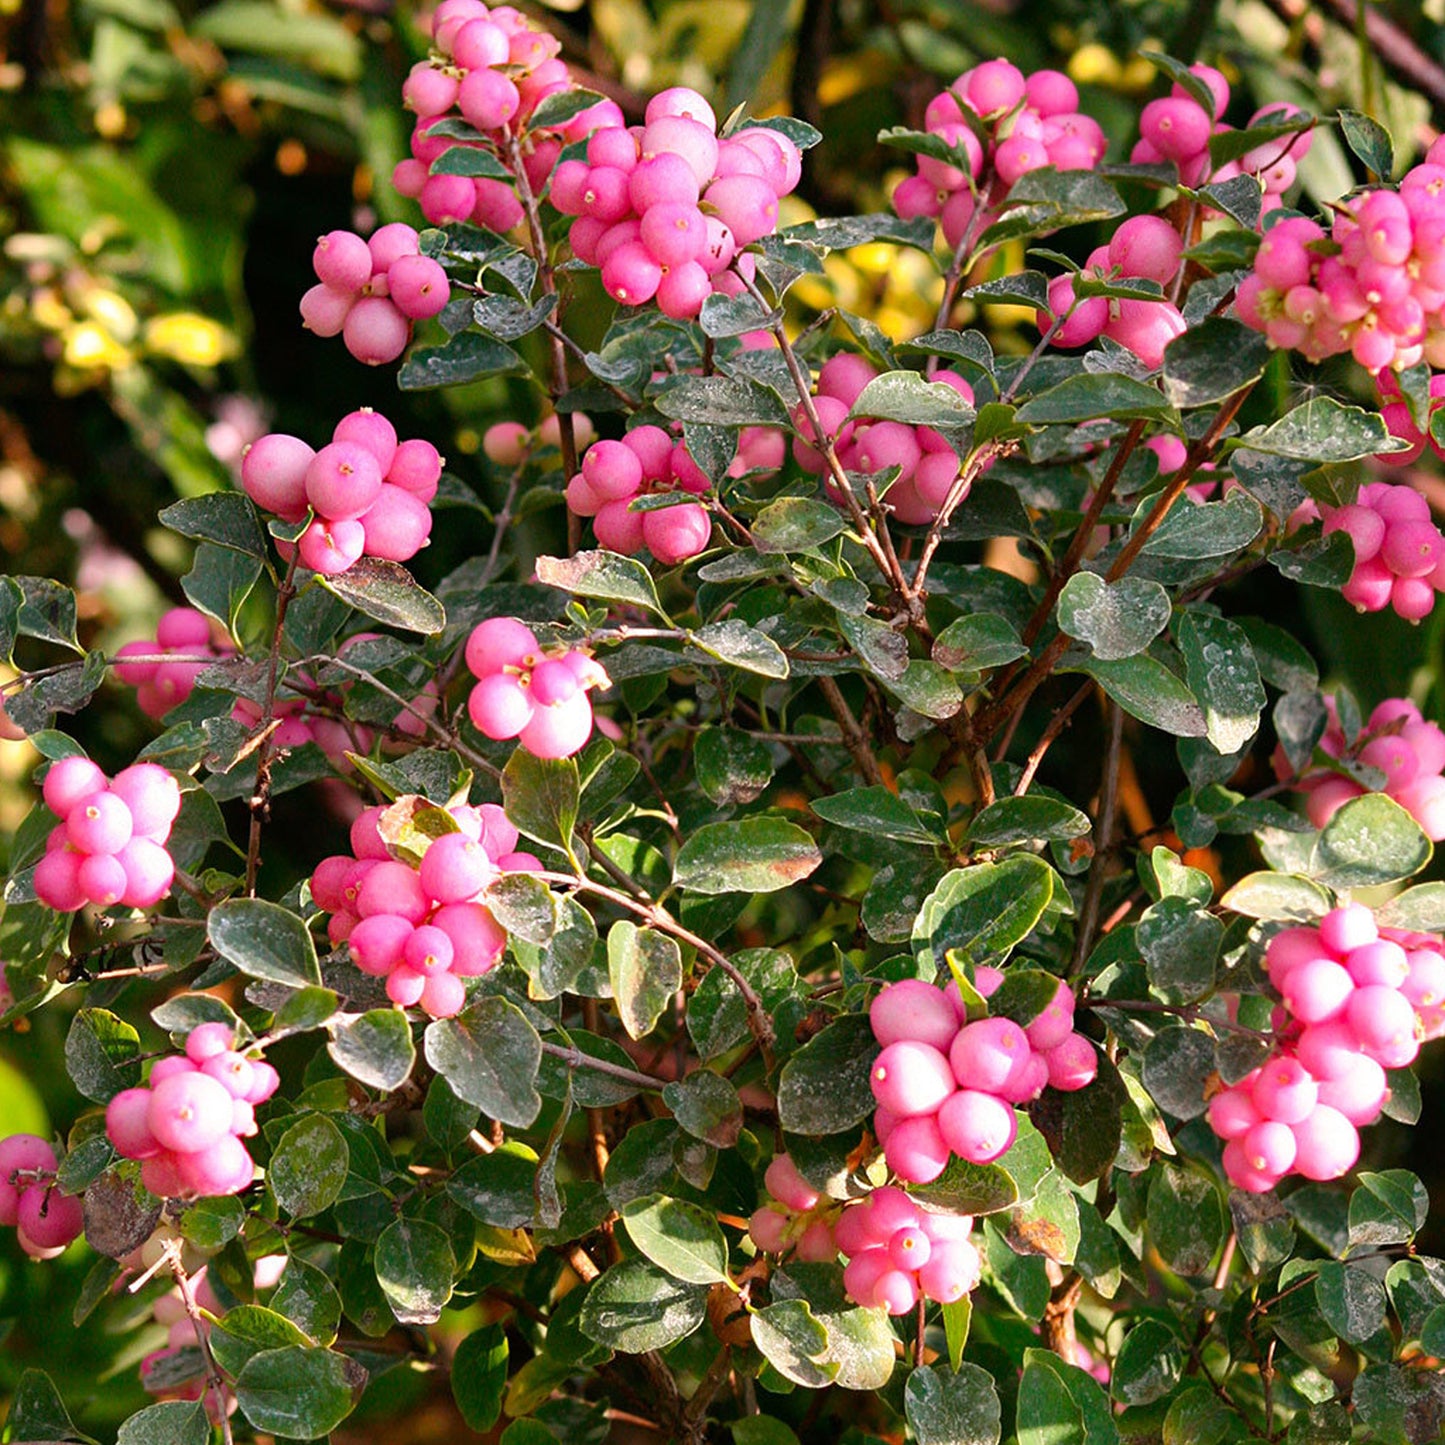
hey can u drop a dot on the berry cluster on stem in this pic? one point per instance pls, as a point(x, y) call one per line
point(45, 1220)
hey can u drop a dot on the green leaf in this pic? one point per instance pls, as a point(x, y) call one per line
point(1420, 909)
point(1370, 141)
point(226, 518)
point(1048, 200)
point(1185, 1219)
point(375, 1049)
point(220, 581)
point(308, 1169)
point(908, 397)
point(877, 811)
point(479, 1377)
point(1195, 531)
point(389, 594)
point(468, 356)
point(469, 160)
point(541, 796)
point(248, 1329)
point(636, 1306)
point(264, 940)
point(414, 1266)
point(794, 1342)
point(982, 911)
point(1180, 942)
point(1117, 619)
point(824, 1088)
point(1388, 1208)
point(1029, 819)
point(859, 1350)
point(796, 524)
point(1060, 1404)
point(741, 646)
point(38, 1413)
point(1095, 396)
point(1149, 1364)
point(1221, 671)
point(559, 107)
point(754, 855)
point(1369, 841)
point(524, 906)
point(46, 611)
point(1177, 1066)
point(731, 766)
point(320, 43)
point(1147, 690)
point(645, 969)
point(1352, 1300)
point(298, 1393)
point(723, 401)
point(102, 1054)
point(172, 1422)
point(957, 1407)
point(1211, 361)
point(1282, 895)
point(308, 1299)
point(500, 1188)
point(489, 1054)
point(977, 642)
point(603, 575)
point(1324, 430)
point(761, 1429)
point(682, 1239)
point(707, 1106)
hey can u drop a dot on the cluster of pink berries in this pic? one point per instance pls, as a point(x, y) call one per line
point(1399, 552)
point(110, 844)
point(928, 466)
point(646, 462)
point(494, 69)
point(367, 492)
point(797, 1220)
point(510, 443)
point(1033, 121)
point(45, 1220)
point(664, 209)
point(1374, 286)
point(899, 1253)
point(423, 929)
point(164, 682)
point(1357, 1000)
point(369, 292)
point(524, 693)
point(187, 1123)
point(1143, 248)
point(947, 1086)
point(1177, 129)
point(1398, 741)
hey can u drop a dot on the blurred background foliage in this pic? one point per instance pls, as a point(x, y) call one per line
point(165, 166)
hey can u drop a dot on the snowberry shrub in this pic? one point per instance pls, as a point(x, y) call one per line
point(719, 985)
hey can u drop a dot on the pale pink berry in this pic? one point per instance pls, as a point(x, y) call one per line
point(68, 782)
point(48, 1218)
point(1327, 1144)
point(788, 1186)
point(916, 1150)
point(392, 887)
point(100, 823)
point(396, 525)
point(1317, 990)
point(331, 547)
point(985, 1053)
point(375, 331)
point(977, 1126)
point(127, 1123)
point(498, 643)
point(342, 260)
point(499, 706)
point(376, 943)
point(152, 796)
point(913, 1009)
point(911, 1078)
point(1073, 1064)
point(558, 730)
point(189, 1112)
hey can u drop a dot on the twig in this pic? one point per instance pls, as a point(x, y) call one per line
point(575, 1058)
point(854, 738)
point(1103, 828)
point(214, 1378)
point(1049, 736)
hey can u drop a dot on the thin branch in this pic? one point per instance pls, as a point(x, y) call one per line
point(575, 1058)
point(214, 1379)
point(854, 738)
point(1103, 829)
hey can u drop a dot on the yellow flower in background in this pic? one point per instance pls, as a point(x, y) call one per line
point(88, 346)
point(111, 310)
point(190, 338)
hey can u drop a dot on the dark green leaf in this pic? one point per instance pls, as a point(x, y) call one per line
point(172, 1422)
point(982, 911)
point(1028, 819)
point(479, 1377)
point(1148, 1365)
point(1324, 430)
point(754, 855)
point(824, 1087)
point(1370, 141)
point(226, 518)
point(636, 1306)
point(645, 968)
point(1147, 690)
point(298, 1393)
point(1093, 396)
point(489, 1054)
point(1185, 1219)
point(741, 646)
point(541, 796)
point(731, 766)
point(908, 397)
point(1369, 841)
point(1212, 360)
point(603, 575)
point(102, 1054)
point(389, 594)
point(468, 356)
point(309, 1167)
point(723, 401)
point(1117, 619)
point(1223, 675)
point(681, 1239)
point(414, 1265)
point(263, 940)
point(375, 1049)
point(952, 1407)
point(880, 812)
point(977, 643)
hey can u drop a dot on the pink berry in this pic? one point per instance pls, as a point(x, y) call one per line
point(189, 1112)
point(558, 730)
point(428, 950)
point(951, 1272)
point(499, 706)
point(376, 943)
point(101, 823)
point(418, 285)
point(209, 1041)
point(149, 872)
point(911, 1078)
point(673, 534)
point(393, 888)
point(151, 794)
point(344, 478)
point(68, 782)
point(1383, 1020)
point(455, 868)
point(225, 1167)
point(57, 880)
point(1232, 1113)
point(498, 643)
point(984, 1054)
point(389, 244)
point(977, 1126)
point(331, 547)
point(789, 1187)
point(1349, 927)
point(1327, 1144)
point(1269, 1148)
point(1073, 1065)
point(375, 331)
point(1317, 990)
point(913, 1009)
point(127, 1123)
point(477, 938)
point(342, 260)
point(396, 525)
point(324, 310)
point(48, 1218)
point(915, 1150)
point(768, 1228)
